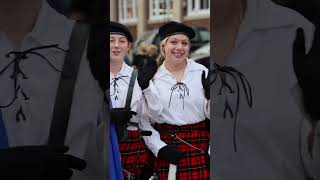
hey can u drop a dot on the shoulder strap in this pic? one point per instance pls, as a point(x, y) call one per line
point(130, 89)
point(63, 101)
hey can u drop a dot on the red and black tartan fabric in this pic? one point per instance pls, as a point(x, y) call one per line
point(134, 154)
point(193, 165)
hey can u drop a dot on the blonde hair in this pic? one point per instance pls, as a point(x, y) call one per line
point(161, 56)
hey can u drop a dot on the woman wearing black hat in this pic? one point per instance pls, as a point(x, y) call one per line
point(134, 155)
point(179, 135)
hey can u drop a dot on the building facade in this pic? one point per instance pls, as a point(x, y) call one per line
point(142, 15)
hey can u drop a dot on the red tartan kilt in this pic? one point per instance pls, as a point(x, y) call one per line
point(193, 165)
point(134, 154)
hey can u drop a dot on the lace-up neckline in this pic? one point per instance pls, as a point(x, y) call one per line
point(182, 88)
point(18, 57)
point(115, 86)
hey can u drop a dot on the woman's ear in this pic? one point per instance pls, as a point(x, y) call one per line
point(129, 45)
point(189, 51)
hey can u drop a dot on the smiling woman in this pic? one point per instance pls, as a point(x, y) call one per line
point(125, 95)
point(179, 116)
point(119, 45)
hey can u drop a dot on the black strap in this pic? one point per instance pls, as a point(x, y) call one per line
point(63, 102)
point(128, 103)
point(130, 88)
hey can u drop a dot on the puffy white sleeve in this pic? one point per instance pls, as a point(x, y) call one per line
point(152, 100)
point(153, 142)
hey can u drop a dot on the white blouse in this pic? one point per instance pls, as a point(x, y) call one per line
point(172, 102)
point(119, 85)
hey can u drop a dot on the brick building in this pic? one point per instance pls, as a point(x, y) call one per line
point(142, 15)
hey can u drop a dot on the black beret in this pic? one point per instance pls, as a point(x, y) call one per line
point(117, 28)
point(173, 27)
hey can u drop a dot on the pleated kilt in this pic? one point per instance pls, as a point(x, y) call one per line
point(134, 154)
point(193, 165)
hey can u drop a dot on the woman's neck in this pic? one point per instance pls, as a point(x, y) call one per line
point(177, 69)
point(175, 66)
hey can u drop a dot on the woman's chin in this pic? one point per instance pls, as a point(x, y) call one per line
point(116, 58)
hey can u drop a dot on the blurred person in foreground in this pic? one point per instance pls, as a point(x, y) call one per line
point(263, 99)
point(34, 45)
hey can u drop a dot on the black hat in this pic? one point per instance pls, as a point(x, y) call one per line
point(173, 27)
point(117, 28)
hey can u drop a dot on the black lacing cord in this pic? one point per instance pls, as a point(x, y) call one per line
point(222, 71)
point(20, 115)
point(182, 88)
point(18, 57)
point(115, 85)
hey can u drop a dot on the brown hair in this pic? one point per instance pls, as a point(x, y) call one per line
point(148, 49)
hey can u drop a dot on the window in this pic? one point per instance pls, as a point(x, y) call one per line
point(127, 11)
point(198, 7)
point(160, 9)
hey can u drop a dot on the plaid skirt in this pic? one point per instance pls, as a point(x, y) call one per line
point(134, 155)
point(193, 140)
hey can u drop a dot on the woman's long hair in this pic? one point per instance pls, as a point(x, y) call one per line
point(161, 57)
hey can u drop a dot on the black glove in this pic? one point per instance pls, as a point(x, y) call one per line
point(146, 172)
point(139, 60)
point(121, 116)
point(146, 71)
point(206, 84)
point(170, 153)
point(307, 70)
point(38, 162)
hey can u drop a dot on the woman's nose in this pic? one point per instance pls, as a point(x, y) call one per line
point(179, 46)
